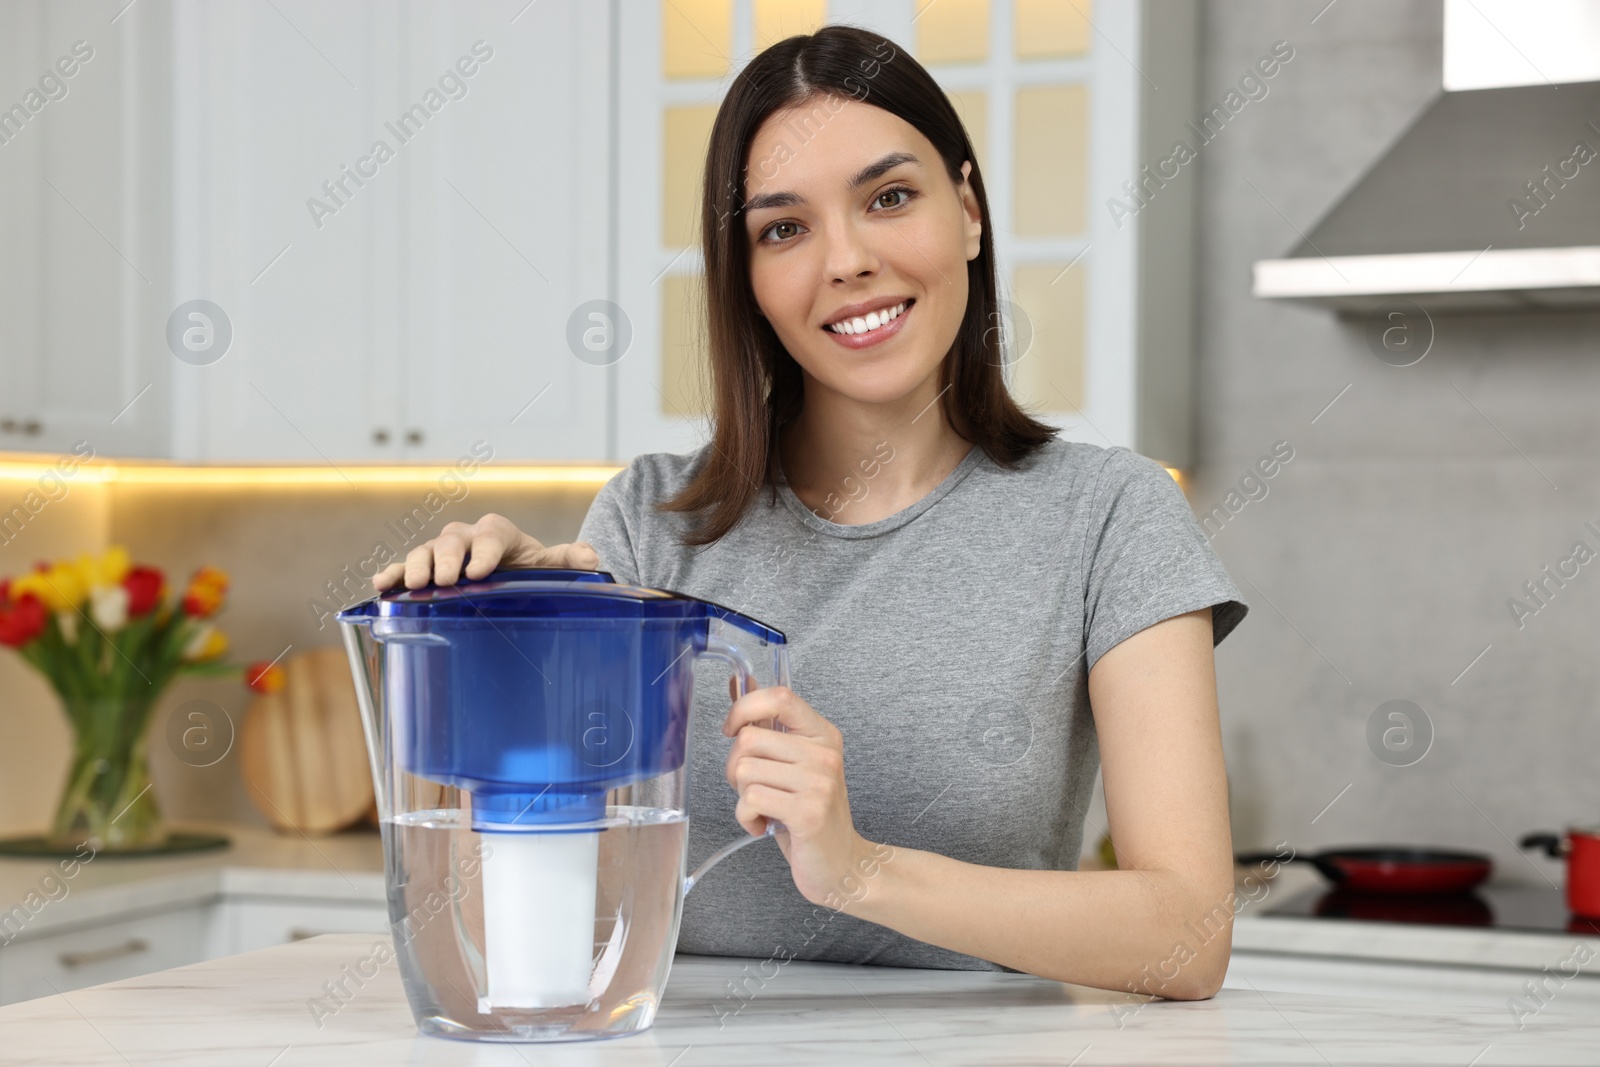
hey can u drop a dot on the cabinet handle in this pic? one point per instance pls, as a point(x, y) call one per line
point(413, 437)
point(380, 437)
point(32, 427)
point(131, 947)
point(8, 425)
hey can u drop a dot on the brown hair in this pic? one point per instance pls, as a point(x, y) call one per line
point(756, 385)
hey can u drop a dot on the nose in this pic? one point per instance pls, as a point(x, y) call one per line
point(850, 255)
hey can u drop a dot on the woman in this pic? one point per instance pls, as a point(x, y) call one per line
point(978, 610)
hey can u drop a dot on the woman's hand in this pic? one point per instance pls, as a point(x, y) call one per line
point(797, 778)
point(494, 543)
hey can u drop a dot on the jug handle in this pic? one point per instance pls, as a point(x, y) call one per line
point(745, 676)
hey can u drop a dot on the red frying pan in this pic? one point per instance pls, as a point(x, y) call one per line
point(1391, 868)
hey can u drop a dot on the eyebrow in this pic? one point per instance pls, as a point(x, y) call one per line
point(862, 177)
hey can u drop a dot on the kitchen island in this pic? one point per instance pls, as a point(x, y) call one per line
point(270, 1007)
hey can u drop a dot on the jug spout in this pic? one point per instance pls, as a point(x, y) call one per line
point(364, 667)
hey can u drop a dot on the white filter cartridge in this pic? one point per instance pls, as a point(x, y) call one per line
point(538, 918)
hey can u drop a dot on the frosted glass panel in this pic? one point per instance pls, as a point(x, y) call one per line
point(777, 19)
point(952, 31)
point(1049, 375)
point(685, 381)
point(696, 38)
point(973, 107)
point(1051, 176)
point(685, 133)
point(1049, 28)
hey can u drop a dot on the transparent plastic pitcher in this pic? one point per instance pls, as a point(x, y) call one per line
point(528, 736)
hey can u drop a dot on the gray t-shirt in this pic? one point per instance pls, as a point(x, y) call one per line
point(950, 643)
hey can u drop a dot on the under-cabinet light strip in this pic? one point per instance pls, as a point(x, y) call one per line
point(17, 469)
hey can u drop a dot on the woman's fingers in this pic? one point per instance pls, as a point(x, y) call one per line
point(779, 705)
point(775, 773)
point(579, 556)
point(492, 543)
point(388, 576)
point(450, 549)
point(419, 566)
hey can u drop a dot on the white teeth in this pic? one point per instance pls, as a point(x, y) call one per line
point(872, 321)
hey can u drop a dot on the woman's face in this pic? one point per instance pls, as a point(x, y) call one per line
point(859, 243)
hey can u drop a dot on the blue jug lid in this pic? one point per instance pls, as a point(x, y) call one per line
point(544, 592)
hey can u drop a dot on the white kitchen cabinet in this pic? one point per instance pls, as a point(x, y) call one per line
point(40, 965)
point(506, 224)
point(102, 952)
point(243, 924)
point(80, 257)
point(402, 301)
point(215, 152)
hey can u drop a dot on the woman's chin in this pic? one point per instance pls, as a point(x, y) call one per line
point(886, 385)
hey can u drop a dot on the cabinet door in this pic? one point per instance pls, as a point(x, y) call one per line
point(81, 271)
point(398, 209)
point(274, 107)
point(247, 924)
point(505, 231)
point(107, 952)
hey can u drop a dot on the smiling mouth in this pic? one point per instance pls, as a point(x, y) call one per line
point(873, 320)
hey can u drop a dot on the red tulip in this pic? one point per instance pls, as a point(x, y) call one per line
point(264, 677)
point(144, 590)
point(21, 622)
point(206, 589)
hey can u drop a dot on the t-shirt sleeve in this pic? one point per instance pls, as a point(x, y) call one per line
point(1147, 558)
point(607, 526)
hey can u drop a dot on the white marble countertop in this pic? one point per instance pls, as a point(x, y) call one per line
point(252, 1010)
point(1351, 939)
point(348, 867)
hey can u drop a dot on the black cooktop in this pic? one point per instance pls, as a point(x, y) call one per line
point(1539, 909)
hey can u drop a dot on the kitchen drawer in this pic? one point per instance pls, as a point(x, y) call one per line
point(245, 924)
point(89, 955)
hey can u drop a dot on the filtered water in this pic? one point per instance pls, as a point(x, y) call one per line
point(435, 863)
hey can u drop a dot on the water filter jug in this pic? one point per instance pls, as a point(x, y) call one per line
point(528, 735)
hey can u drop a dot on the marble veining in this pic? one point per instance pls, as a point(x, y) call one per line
point(251, 1010)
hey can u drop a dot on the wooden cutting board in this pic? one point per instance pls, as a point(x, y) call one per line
point(301, 749)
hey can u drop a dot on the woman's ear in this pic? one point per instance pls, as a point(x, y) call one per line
point(969, 204)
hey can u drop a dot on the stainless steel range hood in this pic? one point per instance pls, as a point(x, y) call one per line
point(1490, 201)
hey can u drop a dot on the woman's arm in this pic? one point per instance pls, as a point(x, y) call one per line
point(1162, 923)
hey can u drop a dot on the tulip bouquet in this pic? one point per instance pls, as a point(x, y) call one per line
point(105, 635)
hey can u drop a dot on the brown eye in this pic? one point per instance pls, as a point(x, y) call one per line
point(779, 232)
point(887, 194)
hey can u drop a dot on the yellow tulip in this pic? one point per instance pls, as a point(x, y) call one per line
point(207, 643)
point(69, 584)
point(215, 645)
point(107, 570)
point(61, 587)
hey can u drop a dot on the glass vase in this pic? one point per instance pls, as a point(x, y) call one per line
point(108, 801)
